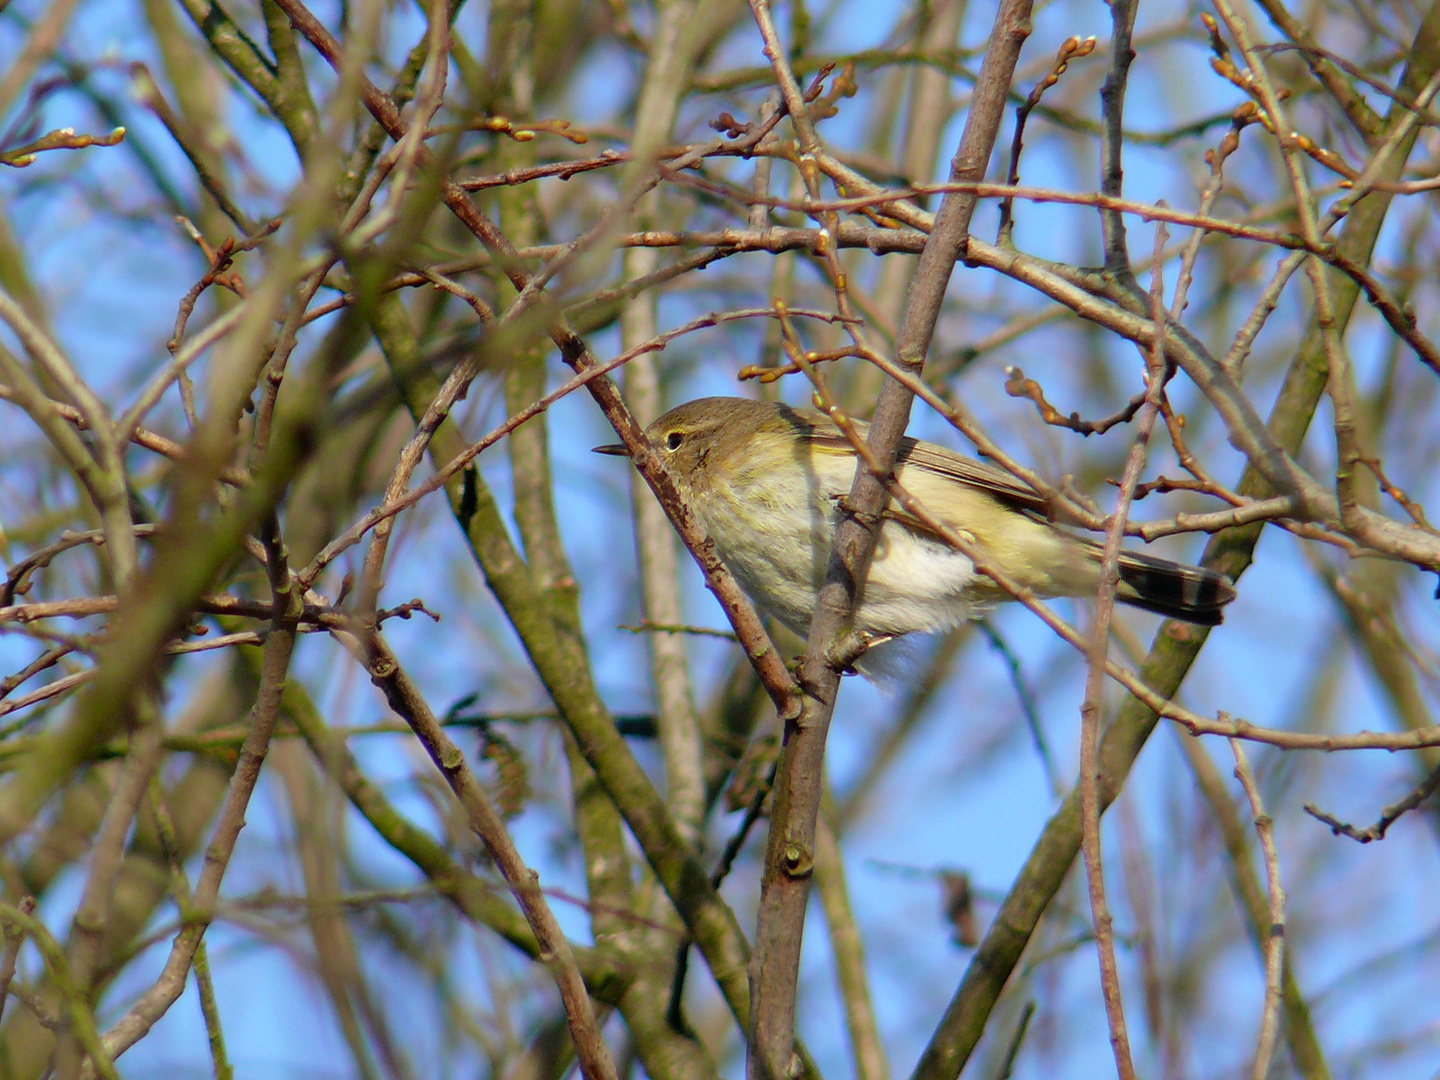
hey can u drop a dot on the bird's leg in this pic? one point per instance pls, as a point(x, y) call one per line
point(850, 648)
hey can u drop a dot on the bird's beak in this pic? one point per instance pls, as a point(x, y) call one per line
point(614, 450)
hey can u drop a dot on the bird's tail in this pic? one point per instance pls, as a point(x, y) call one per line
point(1168, 588)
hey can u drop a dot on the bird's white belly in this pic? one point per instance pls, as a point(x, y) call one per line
point(915, 584)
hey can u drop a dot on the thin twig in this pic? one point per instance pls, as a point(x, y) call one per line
point(405, 698)
point(1275, 940)
point(1071, 48)
point(1155, 378)
point(1388, 816)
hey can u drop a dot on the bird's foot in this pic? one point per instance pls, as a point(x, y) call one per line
point(849, 650)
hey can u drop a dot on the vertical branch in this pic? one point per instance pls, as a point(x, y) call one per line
point(789, 858)
point(1298, 1029)
point(511, 36)
point(678, 719)
point(929, 106)
point(849, 951)
point(1275, 938)
point(1348, 451)
point(667, 72)
point(1112, 109)
point(668, 1052)
point(598, 820)
point(1095, 678)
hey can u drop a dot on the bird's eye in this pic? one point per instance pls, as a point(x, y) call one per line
point(673, 440)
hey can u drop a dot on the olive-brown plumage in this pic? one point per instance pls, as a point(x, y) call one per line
point(765, 479)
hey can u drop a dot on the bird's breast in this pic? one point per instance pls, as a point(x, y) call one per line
point(775, 533)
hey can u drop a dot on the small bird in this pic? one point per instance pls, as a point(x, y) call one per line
point(766, 480)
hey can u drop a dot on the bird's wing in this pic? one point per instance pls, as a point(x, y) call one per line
point(937, 460)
